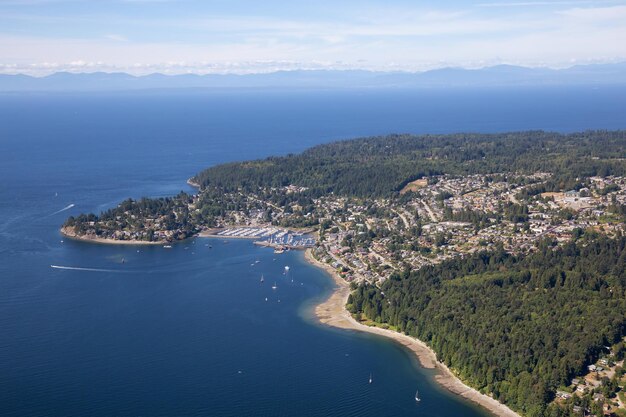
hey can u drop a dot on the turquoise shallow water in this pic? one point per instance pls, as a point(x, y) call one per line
point(187, 330)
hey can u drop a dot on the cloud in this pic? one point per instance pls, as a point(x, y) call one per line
point(541, 3)
point(387, 38)
point(597, 14)
point(117, 38)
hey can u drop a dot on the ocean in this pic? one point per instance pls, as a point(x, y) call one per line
point(149, 331)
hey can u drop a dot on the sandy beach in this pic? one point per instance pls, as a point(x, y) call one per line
point(332, 312)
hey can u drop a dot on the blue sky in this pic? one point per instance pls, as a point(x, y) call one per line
point(242, 36)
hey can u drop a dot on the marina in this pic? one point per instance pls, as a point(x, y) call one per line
point(274, 237)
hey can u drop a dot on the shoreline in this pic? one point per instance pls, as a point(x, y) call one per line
point(193, 184)
point(332, 312)
point(106, 241)
point(208, 233)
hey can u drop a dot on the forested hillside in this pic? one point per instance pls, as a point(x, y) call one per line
point(517, 327)
point(381, 166)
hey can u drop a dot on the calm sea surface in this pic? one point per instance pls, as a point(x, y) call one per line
point(187, 330)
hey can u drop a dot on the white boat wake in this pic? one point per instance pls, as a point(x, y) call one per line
point(75, 268)
point(63, 209)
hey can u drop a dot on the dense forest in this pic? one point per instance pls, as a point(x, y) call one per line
point(517, 327)
point(381, 166)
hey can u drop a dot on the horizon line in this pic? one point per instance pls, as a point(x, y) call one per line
point(125, 71)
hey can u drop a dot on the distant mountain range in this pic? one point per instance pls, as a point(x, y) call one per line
point(497, 76)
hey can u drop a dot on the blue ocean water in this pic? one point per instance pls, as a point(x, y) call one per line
point(187, 330)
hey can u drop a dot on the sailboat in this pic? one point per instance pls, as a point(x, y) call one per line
point(371, 378)
point(417, 396)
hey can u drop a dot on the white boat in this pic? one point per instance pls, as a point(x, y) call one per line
point(274, 286)
point(167, 246)
point(417, 396)
point(262, 278)
point(371, 378)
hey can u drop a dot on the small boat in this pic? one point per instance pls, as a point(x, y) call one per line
point(371, 378)
point(274, 286)
point(262, 279)
point(167, 247)
point(417, 396)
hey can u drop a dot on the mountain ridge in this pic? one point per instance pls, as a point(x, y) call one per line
point(494, 76)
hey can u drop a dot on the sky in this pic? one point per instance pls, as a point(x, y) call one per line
point(39, 37)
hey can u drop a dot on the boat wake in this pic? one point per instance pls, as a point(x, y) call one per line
point(75, 268)
point(63, 209)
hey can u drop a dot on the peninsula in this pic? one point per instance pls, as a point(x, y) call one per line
point(504, 254)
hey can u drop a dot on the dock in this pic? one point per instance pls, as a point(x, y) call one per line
point(273, 237)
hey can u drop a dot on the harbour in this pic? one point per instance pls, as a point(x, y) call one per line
point(278, 238)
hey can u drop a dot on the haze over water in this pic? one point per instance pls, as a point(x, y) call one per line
point(187, 330)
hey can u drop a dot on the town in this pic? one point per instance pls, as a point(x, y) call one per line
point(430, 220)
point(443, 217)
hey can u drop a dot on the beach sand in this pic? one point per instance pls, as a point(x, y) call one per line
point(332, 312)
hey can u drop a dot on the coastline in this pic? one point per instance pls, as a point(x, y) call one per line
point(193, 184)
point(74, 236)
point(332, 312)
point(208, 233)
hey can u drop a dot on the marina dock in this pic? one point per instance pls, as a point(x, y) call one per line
point(274, 237)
